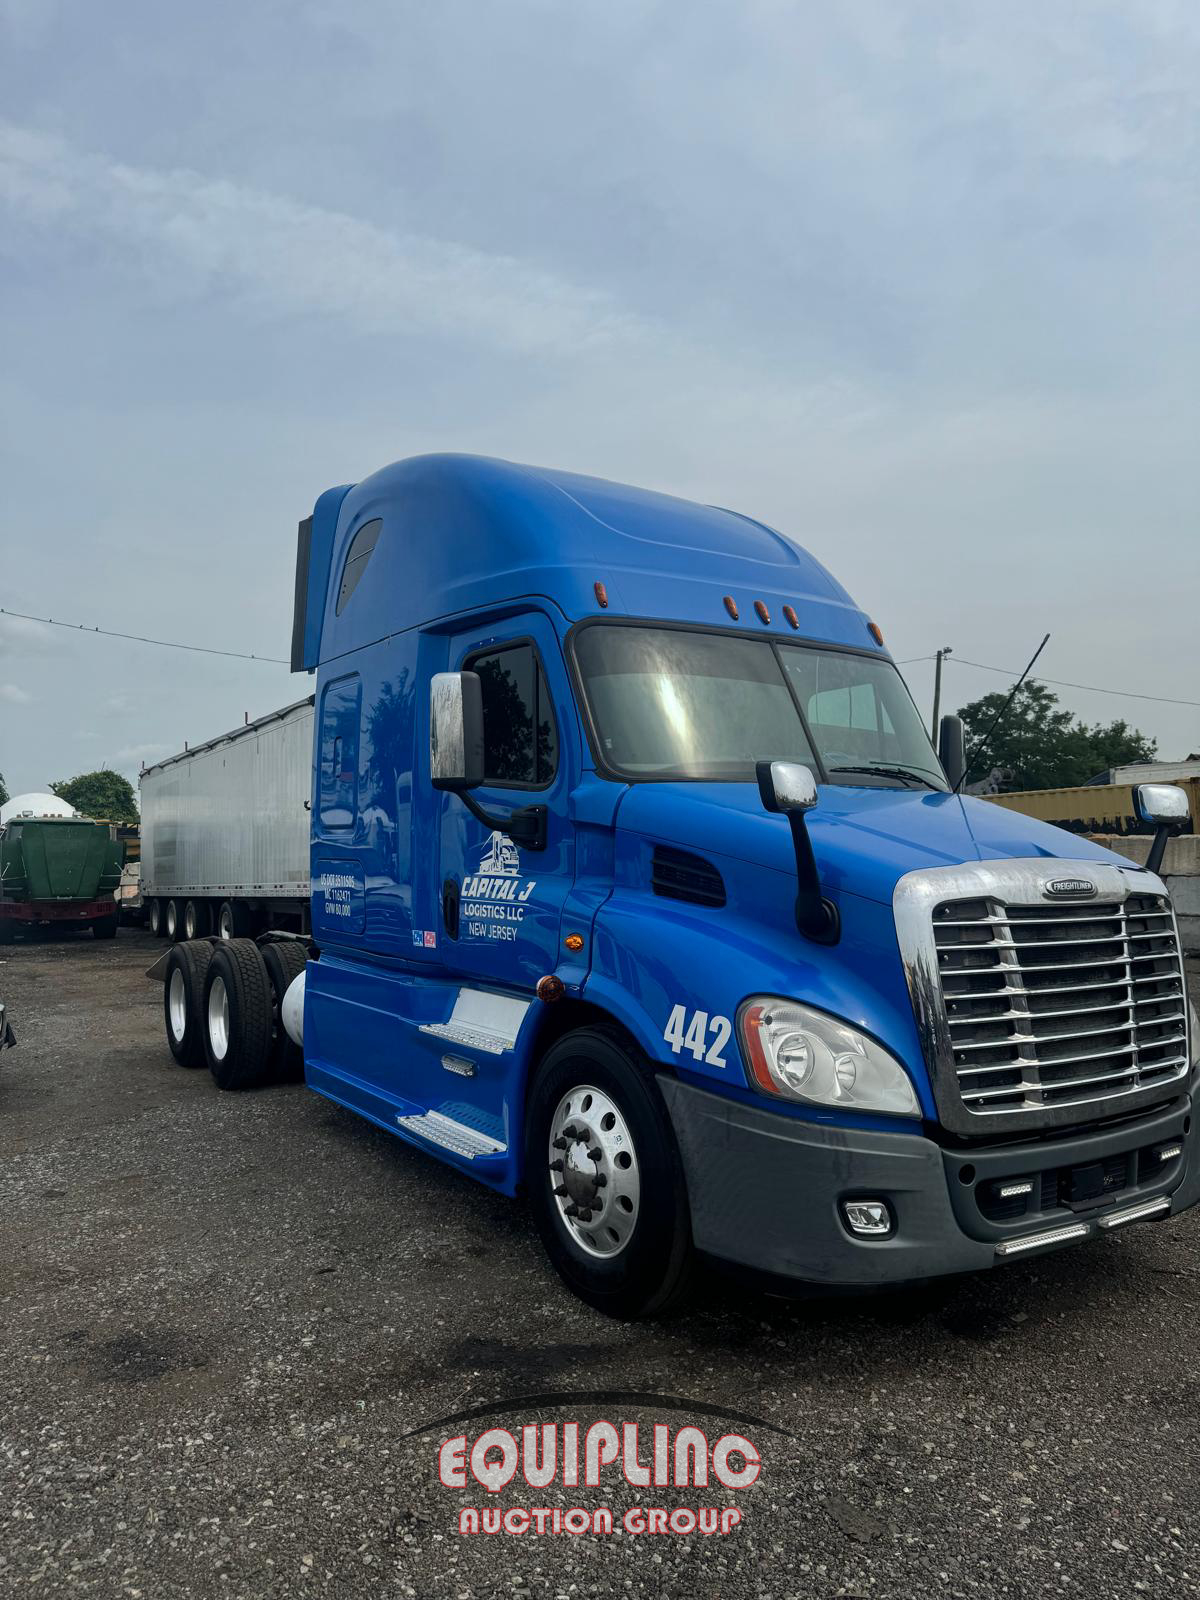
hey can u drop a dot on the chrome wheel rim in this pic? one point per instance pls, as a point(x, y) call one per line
point(594, 1174)
point(177, 1005)
point(225, 927)
point(172, 919)
point(155, 916)
point(218, 1018)
point(189, 922)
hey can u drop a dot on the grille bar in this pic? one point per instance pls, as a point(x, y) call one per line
point(1118, 972)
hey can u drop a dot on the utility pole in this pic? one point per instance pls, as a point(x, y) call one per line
point(946, 650)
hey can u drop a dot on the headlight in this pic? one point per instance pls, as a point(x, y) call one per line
point(802, 1054)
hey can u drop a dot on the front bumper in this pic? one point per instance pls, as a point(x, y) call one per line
point(765, 1190)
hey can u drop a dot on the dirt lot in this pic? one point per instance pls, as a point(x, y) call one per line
point(222, 1313)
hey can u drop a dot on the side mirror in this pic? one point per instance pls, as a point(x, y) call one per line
point(1165, 805)
point(456, 731)
point(950, 749)
point(1160, 802)
point(789, 787)
point(786, 786)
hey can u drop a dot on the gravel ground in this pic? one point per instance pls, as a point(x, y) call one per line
point(221, 1314)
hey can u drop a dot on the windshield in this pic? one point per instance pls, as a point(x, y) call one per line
point(675, 703)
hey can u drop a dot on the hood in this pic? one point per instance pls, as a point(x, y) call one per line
point(864, 840)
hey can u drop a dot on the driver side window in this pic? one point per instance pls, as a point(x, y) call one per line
point(520, 740)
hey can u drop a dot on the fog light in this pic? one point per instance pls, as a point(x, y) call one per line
point(870, 1219)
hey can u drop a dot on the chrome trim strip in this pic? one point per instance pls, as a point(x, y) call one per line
point(1032, 1241)
point(1152, 1208)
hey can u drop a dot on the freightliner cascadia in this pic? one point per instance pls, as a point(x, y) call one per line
point(637, 887)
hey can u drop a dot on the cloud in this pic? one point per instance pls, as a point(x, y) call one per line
point(12, 694)
point(279, 256)
point(133, 755)
point(21, 638)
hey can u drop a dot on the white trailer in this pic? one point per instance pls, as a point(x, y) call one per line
point(225, 831)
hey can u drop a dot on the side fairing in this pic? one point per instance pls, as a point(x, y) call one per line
point(675, 973)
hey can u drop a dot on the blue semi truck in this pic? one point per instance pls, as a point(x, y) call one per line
point(638, 887)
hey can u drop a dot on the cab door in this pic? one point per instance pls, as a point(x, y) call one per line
point(501, 903)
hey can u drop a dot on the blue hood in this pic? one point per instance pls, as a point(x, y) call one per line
point(864, 840)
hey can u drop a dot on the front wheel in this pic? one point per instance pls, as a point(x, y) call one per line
point(605, 1179)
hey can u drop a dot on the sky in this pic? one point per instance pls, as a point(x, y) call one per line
point(915, 283)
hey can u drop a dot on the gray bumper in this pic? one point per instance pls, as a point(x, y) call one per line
point(765, 1189)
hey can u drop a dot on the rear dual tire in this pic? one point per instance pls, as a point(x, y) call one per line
point(183, 1001)
point(237, 1016)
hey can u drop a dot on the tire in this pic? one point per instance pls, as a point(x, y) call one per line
point(639, 1258)
point(237, 1016)
point(183, 1001)
point(284, 961)
point(196, 917)
point(232, 921)
point(173, 920)
point(155, 920)
point(105, 927)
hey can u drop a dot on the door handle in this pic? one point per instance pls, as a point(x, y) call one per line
point(450, 895)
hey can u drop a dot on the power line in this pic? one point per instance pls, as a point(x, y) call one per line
point(1061, 683)
point(166, 644)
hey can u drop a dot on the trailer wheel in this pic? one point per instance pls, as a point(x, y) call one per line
point(154, 918)
point(233, 920)
point(174, 920)
point(284, 960)
point(183, 1001)
point(195, 919)
point(105, 927)
point(237, 1016)
point(605, 1178)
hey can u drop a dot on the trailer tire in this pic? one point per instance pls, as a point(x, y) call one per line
point(183, 1001)
point(233, 921)
point(284, 960)
point(196, 917)
point(105, 927)
point(237, 1016)
point(174, 920)
point(641, 1266)
point(154, 918)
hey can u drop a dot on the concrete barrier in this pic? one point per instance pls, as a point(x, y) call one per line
point(1180, 872)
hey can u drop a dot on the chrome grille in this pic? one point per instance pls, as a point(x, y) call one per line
point(1059, 1006)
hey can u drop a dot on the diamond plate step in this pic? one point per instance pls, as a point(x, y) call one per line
point(451, 1135)
point(474, 1038)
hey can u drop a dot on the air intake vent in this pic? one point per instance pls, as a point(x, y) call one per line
point(681, 876)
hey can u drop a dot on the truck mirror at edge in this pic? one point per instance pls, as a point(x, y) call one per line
point(950, 749)
point(789, 787)
point(1166, 805)
point(456, 755)
point(456, 731)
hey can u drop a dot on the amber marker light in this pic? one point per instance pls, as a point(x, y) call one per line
point(764, 616)
point(875, 631)
point(790, 617)
point(574, 942)
point(601, 595)
point(752, 1023)
point(731, 606)
point(550, 988)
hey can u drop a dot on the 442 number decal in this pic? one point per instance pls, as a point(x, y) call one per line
point(705, 1036)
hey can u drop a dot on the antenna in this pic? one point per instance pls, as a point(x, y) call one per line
point(981, 744)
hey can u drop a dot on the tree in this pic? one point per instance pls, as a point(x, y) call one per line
point(4, 794)
point(104, 794)
point(1043, 746)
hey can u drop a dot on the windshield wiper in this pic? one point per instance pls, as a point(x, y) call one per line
point(893, 772)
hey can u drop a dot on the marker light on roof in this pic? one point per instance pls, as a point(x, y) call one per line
point(763, 614)
point(601, 595)
point(875, 631)
point(789, 612)
point(731, 606)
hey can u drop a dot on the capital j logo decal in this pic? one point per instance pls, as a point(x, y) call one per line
point(588, 1456)
point(493, 898)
